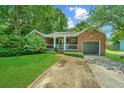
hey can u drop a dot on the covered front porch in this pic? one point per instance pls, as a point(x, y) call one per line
point(62, 42)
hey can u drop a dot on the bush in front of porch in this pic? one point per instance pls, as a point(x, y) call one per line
point(31, 44)
point(74, 53)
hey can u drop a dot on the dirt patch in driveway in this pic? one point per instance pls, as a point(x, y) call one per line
point(67, 73)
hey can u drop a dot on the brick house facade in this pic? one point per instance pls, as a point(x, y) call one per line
point(87, 42)
point(92, 37)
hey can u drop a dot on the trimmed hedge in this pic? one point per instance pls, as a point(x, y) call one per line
point(50, 52)
point(74, 53)
point(5, 52)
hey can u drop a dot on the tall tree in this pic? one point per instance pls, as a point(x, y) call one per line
point(112, 16)
point(79, 26)
point(20, 20)
point(84, 25)
point(108, 15)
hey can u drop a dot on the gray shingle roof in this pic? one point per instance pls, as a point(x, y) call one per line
point(62, 34)
point(58, 34)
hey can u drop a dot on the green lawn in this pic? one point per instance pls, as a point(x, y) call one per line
point(21, 71)
point(115, 57)
point(114, 50)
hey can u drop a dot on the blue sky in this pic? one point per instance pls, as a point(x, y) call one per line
point(76, 13)
point(71, 14)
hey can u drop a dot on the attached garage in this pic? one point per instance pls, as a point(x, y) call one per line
point(92, 42)
point(91, 47)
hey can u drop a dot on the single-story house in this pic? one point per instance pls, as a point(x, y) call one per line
point(121, 44)
point(87, 42)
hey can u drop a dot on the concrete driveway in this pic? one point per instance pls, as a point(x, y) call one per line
point(109, 74)
point(69, 72)
point(72, 72)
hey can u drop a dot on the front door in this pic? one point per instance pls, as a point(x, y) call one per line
point(60, 43)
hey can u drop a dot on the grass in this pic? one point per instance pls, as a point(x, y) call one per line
point(115, 57)
point(74, 53)
point(19, 72)
point(114, 50)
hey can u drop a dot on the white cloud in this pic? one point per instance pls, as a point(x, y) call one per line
point(80, 13)
point(70, 23)
point(72, 8)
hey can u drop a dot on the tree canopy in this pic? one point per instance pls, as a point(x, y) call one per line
point(79, 26)
point(111, 15)
point(20, 20)
point(17, 21)
point(108, 15)
point(84, 25)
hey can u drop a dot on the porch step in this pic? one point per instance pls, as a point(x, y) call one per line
point(60, 51)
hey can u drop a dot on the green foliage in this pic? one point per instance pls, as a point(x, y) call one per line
point(114, 46)
point(115, 57)
point(5, 52)
point(80, 26)
point(11, 41)
point(20, 20)
point(55, 49)
point(19, 72)
point(115, 39)
point(50, 52)
point(117, 36)
point(17, 21)
point(84, 25)
point(113, 16)
point(108, 15)
point(35, 43)
point(16, 46)
point(74, 53)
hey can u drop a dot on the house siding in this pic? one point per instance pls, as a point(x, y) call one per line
point(121, 44)
point(92, 37)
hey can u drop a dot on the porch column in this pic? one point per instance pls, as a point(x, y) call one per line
point(54, 42)
point(64, 42)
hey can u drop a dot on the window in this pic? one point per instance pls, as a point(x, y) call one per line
point(73, 40)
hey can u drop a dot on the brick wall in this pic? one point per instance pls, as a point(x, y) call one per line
point(91, 37)
point(49, 40)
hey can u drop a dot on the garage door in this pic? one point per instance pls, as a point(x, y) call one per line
point(91, 47)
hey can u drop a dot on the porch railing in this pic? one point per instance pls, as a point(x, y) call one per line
point(49, 46)
point(60, 46)
point(71, 46)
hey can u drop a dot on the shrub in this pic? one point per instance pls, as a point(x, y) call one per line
point(16, 45)
point(55, 49)
point(16, 41)
point(50, 52)
point(74, 53)
point(35, 43)
point(113, 47)
point(11, 41)
point(6, 52)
